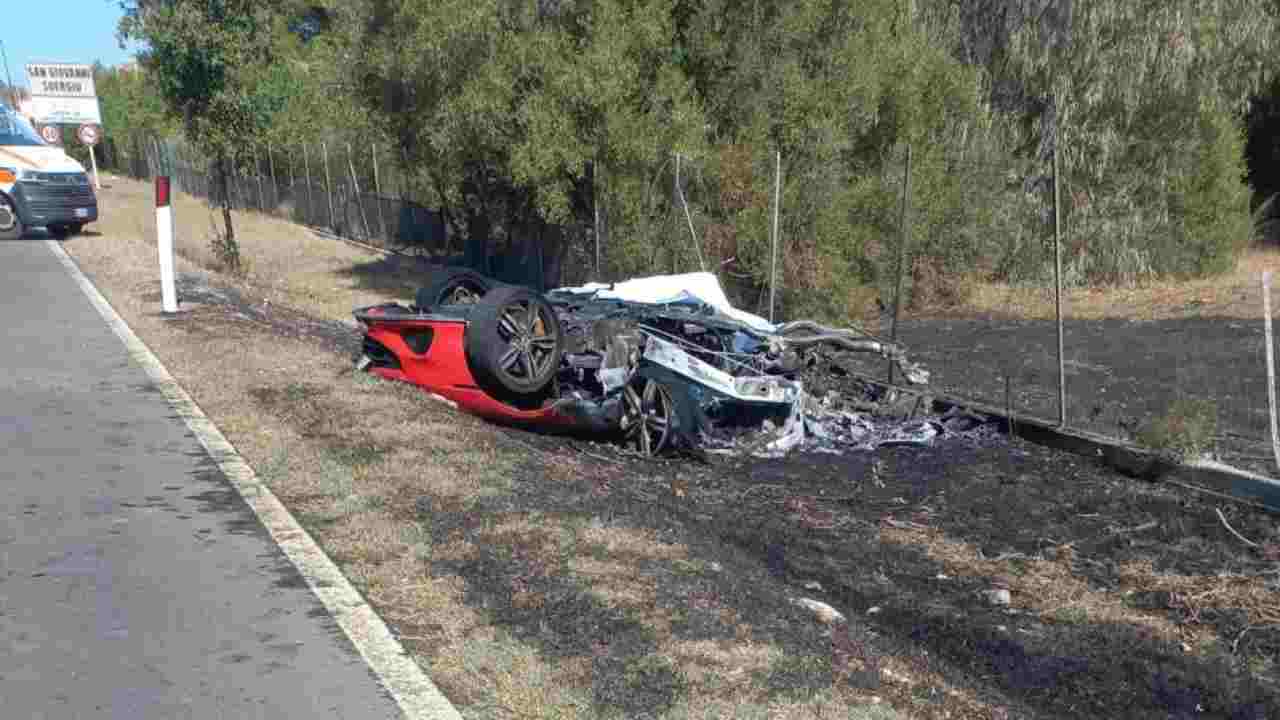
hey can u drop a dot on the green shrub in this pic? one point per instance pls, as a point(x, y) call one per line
point(1184, 432)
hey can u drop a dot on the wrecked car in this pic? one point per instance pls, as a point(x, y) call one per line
point(661, 363)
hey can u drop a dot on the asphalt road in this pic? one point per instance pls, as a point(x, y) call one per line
point(134, 582)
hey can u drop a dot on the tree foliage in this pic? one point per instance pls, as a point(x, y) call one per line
point(132, 110)
point(643, 117)
point(212, 62)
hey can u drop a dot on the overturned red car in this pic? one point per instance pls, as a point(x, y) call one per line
point(663, 362)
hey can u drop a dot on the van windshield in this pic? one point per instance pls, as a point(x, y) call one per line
point(15, 130)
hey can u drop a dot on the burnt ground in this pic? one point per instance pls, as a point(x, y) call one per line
point(1120, 374)
point(904, 541)
point(212, 307)
point(822, 518)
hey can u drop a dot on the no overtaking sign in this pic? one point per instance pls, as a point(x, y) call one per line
point(89, 134)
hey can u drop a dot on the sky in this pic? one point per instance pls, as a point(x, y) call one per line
point(74, 31)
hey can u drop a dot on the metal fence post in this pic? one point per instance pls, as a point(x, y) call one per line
point(306, 166)
point(1057, 286)
point(1271, 365)
point(328, 184)
point(595, 210)
point(275, 187)
point(675, 185)
point(235, 181)
point(204, 175)
point(773, 253)
point(355, 183)
point(257, 173)
point(902, 250)
point(377, 193)
point(693, 235)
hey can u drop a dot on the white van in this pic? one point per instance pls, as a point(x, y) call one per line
point(40, 185)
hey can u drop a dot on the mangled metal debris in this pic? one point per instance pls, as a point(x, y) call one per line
point(717, 378)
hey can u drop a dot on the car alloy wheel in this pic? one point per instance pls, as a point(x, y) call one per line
point(530, 343)
point(646, 417)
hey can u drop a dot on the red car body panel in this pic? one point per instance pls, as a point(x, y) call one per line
point(443, 369)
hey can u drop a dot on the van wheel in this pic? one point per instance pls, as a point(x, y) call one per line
point(10, 223)
point(75, 228)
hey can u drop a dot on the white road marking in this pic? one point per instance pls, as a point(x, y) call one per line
point(399, 673)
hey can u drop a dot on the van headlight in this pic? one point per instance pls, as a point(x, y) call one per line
point(32, 176)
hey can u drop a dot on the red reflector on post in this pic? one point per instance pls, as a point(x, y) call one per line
point(162, 191)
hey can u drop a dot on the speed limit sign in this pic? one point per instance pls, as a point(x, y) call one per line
point(51, 134)
point(88, 134)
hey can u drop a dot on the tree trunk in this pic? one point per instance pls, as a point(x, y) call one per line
point(224, 177)
point(229, 250)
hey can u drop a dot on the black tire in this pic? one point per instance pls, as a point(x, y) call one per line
point(513, 344)
point(10, 224)
point(452, 286)
point(75, 228)
point(59, 232)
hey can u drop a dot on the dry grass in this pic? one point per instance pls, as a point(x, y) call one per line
point(284, 262)
point(1236, 294)
point(1196, 593)
point(1056, 592)
point(352, 456)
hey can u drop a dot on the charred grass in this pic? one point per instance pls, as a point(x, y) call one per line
point(1125, 598)
point(535, 576)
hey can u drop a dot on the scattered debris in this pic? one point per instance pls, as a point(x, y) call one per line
point(1232, 530)
point(826, 614)
point(998, 596)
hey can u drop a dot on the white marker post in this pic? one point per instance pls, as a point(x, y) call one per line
point(164, 239)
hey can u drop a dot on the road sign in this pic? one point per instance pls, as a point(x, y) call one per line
point(51, 134)
point(63, 93)
point(89, 134)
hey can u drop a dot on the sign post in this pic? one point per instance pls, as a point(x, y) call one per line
point(89, 135)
